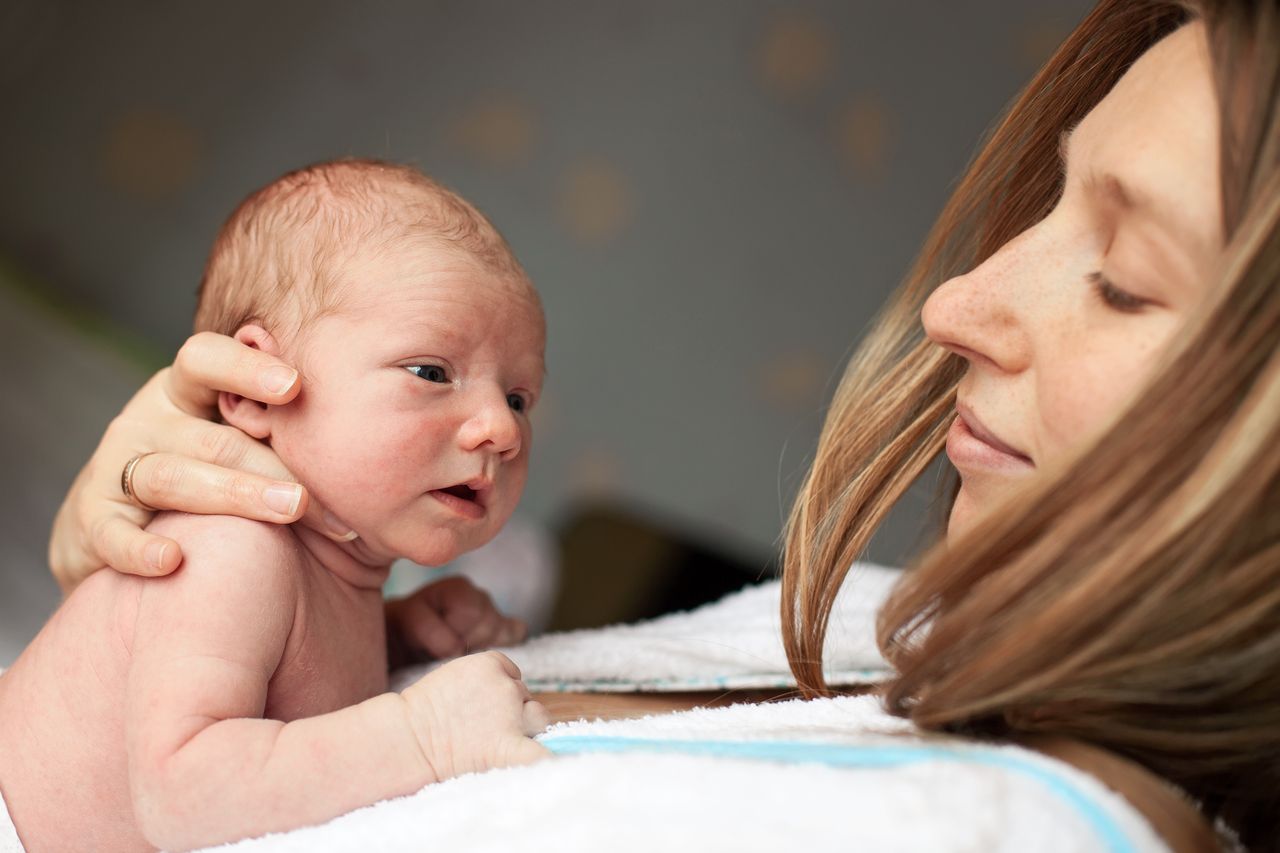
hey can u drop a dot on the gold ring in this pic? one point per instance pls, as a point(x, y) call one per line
point(126, 482)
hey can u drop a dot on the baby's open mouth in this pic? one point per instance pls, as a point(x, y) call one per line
point(461, 491)
point(462, 499)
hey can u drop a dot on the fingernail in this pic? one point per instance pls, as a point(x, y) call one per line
point(155, 555)
point(338, 530)
point(278, 379)
point(283, 499)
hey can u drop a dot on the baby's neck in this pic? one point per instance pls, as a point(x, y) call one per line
point(347, 561)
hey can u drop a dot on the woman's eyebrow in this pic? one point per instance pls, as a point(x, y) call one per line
point(1128, 196)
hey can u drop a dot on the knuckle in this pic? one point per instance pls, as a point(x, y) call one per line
point(118, 425)
point(454, 584)
point(186, 353)
point(105, 543)
point(98, 536)
point(189, 353)
point(238, 490)
point(162, 477)
point(221, 445)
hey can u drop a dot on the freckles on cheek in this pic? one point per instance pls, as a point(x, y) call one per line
point(1077, 407)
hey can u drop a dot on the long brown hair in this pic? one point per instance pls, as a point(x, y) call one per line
point(1131, 596)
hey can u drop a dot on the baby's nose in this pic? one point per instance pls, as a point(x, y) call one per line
point(495, 428)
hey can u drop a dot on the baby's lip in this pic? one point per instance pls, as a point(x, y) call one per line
point(480, 485)
point(462, 499)
point(475, 490)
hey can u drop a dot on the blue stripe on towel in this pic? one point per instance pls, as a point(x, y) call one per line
point(843, 755)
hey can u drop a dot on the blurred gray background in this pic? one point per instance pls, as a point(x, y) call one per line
point(713, 197)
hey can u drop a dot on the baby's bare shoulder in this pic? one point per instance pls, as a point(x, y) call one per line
point(236, 549)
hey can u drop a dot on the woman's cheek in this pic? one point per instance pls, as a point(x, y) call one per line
point(1078, 405)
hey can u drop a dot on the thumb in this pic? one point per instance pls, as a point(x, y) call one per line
point(524, 751)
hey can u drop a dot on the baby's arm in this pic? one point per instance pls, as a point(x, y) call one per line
point(203, 765)
point(205, 768)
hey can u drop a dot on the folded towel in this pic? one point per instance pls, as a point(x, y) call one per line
point(832, 773)
point(9, 841)
point(735, 642)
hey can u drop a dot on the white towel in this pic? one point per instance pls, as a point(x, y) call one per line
point(735, 642)
point(828, 774)
point(9, 841)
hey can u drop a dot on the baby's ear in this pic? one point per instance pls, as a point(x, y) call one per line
point(249, 416)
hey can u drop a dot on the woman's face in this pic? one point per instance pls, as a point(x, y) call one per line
point(1062, 325)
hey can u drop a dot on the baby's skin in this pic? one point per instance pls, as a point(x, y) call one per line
point(246, 692)
point(241, 695)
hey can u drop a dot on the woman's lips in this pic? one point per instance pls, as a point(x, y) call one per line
point(968, 451)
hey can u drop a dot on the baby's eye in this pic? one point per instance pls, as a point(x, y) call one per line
point(429, 372)
point(517, 402)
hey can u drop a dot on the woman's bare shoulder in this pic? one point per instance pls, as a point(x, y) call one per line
point(1170, 813)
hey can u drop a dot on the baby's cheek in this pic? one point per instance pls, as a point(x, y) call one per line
point(384, 461)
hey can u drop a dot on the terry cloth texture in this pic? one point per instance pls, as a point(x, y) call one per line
point(735, 642)
point(9, 842)
point(826, 774)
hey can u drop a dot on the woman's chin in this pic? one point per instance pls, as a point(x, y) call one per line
point(964, 514)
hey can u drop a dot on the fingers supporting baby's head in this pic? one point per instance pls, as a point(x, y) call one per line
point(245, 413)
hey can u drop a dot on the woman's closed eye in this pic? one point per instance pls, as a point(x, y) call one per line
point(1115, 297)
point(429, 372)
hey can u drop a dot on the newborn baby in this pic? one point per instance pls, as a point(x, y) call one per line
point(246, 692)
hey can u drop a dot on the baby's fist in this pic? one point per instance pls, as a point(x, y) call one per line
point(448, 618)
point(473, 714)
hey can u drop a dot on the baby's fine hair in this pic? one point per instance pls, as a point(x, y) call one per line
point(283, 246)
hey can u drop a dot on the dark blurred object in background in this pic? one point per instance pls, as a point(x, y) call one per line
point(619, 565)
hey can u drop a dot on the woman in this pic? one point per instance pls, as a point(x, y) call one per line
point(1100, 356)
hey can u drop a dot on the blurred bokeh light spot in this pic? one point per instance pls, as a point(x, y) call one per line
point(595, 201)
point(497, 130)
point(793, 381)
point(150, 155)
point(796, 56)
point(862, 130)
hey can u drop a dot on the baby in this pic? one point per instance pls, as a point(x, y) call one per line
point(246, 693)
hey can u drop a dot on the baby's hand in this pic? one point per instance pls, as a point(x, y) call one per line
point(473, 714)
point(445, 619)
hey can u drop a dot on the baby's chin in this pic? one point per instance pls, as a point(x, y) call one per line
point(434, 547)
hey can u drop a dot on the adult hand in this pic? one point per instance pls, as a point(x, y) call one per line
point(192, 464)
point(444, 619)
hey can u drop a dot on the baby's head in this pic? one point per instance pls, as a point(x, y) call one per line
point(420, 343)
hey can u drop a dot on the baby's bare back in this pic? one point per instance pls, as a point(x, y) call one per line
point(62, 759)
point(64, 768)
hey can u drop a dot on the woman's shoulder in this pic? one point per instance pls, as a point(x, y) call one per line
point(1169, 811)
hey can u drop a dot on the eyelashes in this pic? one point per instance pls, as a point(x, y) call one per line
point(1114, 297)
point(439, 375)
point(430, 372)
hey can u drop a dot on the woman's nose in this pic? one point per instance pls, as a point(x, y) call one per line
point(493, 427)
point(976, 316)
